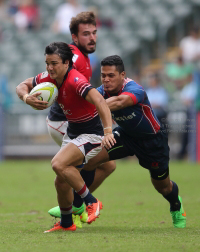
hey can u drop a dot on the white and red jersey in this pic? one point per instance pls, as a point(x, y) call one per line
point(81, 115)
point(82, 64)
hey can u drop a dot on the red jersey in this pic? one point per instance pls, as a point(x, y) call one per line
point(82, 65)
point(81, 62)
point(82, 115)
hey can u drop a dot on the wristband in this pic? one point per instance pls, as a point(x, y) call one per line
point(107, 128)
point(25, 97)
point(108, 134)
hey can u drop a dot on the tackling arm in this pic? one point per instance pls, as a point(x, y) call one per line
point(119, 102)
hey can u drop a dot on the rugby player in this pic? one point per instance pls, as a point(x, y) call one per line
point(138, 133)
point(84, 35)
point(83, 106)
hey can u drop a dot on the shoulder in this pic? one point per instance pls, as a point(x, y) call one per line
point(77, 53)
point(44, 77)
point(130, 84)
point(75, 76)
point(101, 90)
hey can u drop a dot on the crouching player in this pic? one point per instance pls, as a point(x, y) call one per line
point(139, 133)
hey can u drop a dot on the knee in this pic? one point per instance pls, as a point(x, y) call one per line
point(112, 166)
point(57, 166)
point(108, 167)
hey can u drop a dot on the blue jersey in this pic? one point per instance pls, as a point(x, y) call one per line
point(138, 120)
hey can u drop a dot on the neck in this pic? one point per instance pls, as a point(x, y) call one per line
point(60, 80)
point(79, 47)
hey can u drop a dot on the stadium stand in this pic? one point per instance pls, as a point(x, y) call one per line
point(136, 23)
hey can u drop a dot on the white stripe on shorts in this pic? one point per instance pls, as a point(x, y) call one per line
point(88, 144)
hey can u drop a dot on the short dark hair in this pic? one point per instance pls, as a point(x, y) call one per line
point(86, 17)
point(114, 60)
point(62, 50)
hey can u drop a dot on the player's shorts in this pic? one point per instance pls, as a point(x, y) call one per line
point(152, 152)
point(57, 130)
point(88, 144)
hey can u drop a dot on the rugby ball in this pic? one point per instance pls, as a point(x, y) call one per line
point(49, 92)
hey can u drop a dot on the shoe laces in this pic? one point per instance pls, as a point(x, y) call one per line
point(89, 209)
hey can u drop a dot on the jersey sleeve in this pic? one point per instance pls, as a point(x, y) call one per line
point(101, 90)
point(81, 85)
point(136, 92)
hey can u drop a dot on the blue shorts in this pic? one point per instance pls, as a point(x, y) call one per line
point(151, 151)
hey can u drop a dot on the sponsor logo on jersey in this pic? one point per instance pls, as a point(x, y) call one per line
point(76, 79)
point(124, 118)
point(155, 165)
point(75, 57)
point(87, 66)
point(44, 75)
point(65, 111)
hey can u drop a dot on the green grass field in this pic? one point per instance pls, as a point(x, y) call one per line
point(135, 217)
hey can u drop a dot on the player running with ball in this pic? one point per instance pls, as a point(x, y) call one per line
point(82, 105)
point(84, 35)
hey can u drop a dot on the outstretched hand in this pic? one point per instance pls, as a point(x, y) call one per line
point(35, 102)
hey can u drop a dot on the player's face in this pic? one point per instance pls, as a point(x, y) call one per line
point(86, 39)
point(112, 79)
point(55, 67)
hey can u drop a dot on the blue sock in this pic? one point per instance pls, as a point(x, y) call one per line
point(172, 197)
point(66, 217)
point(86, 195)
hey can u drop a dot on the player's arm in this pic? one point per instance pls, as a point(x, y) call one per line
point(97, 99)
point(23, 90)
point(119, 102)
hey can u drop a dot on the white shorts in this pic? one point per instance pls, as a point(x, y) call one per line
point(57, 130)
point(88, 144)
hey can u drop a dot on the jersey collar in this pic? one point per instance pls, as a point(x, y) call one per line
point(78, 49)
point(65, 77)
point(118, 93)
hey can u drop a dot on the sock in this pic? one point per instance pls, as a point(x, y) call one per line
point(78, 201)
point(88, 177)
point(172, 197)
point(66, 217)
point(86, 195)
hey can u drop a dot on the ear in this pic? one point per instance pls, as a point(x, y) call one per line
point(74, 38)
point(123, 74)
point(67, 63)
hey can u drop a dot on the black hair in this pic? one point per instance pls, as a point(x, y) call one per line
point(62, 50)
point(114, 60)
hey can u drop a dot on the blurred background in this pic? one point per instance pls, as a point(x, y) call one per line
point(158, 40)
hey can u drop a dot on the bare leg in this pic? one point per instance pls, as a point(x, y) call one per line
point(164, 186)
point(102, 172)
point(63, 188)
point(64, 164)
